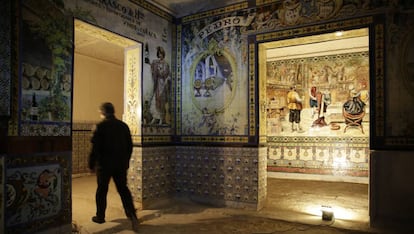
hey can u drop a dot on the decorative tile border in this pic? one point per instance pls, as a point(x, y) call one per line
point(178, 88)
point(150, 7)
point(252, 90)
point(319, 155)
point(222, 139)
point(314, 29)
point(43, 129)
point(215, 12)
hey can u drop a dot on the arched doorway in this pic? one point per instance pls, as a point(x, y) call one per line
point(316, 160)
point(100, 73)
point(104, 65)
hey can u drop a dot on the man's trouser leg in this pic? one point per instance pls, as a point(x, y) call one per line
point(120, 180)
point(101, 192)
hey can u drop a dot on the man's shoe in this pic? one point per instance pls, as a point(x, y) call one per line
point(96, 219)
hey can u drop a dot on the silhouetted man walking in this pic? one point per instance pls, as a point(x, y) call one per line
point(111, 152)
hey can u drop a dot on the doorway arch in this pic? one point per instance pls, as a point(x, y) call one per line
point(102, 70)
point(293, 154)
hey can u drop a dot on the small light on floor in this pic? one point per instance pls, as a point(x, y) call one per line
point(327, 213)
point(339, 33)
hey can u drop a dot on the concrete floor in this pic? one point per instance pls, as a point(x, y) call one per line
point(292, 206)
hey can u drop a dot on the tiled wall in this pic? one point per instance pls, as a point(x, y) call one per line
point(151, 176)
point(335, 156)
point(5, 58)
point(2, 184)
point(229, 176)
point(135, 175)
point(151, 168)
point(235, 177)
point(81, 147)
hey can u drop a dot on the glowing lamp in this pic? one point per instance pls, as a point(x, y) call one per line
point(327, 213)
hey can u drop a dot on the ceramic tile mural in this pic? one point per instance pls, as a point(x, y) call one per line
point(33, 193)
point(336, 78)
point(216, 101)
point(5, 58)
point(37, 191)
point(214, 91)
point(328, 138)
point(152, 28)
point(214, 60)
point(46, 71)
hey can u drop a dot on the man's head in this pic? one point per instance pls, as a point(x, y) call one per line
point(107, 109)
